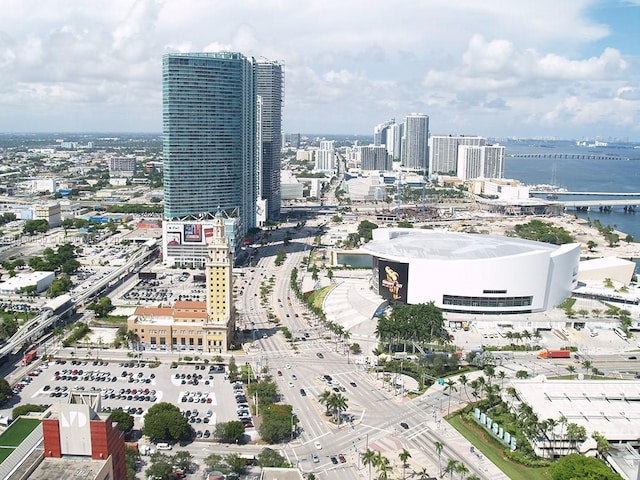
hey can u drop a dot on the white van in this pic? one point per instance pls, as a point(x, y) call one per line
point(163, 446)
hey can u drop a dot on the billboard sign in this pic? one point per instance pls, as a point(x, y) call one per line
point(192, 233)
point(392, 280)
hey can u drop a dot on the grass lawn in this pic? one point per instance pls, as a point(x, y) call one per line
point(4, 453)
point(318, 295)
point(476, 435)
point(18, 431)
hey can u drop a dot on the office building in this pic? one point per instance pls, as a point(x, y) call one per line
point(374, 158)
point(415, 148)
point(209, 136)
point(326, 157)
point(270, 90)
point(443, 152)
point(122, 167)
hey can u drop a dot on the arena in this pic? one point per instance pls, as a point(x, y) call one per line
point(469, 273)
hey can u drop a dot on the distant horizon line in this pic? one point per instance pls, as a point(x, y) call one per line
point(133, 132)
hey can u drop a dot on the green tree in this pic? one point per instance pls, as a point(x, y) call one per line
point(214, 461)
point(229, 432)
point(5, 390)
point(439, 446)
point(25, 409)
point(102, 307)
point(270, 458)
point(160, 468)
point(183, 460)
point(164, 422)
point(236, 463)
point(369, 459)
point(365, 229)
point(131, 456)
point(449, 388)
point(276, 423)
point(35, 226)
point(8, 327)
point(451, 467)
point(574, 466)
point(404, 455)
point(123, 419)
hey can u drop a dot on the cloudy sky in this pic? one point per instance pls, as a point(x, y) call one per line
point(528, 68)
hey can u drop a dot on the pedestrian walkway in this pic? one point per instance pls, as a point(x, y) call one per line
point(351, 303)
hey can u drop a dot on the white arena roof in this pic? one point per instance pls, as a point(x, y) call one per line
point(443, 245)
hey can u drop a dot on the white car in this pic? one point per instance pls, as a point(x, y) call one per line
point(318, 445)
point(290, 384)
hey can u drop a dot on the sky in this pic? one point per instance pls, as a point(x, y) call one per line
point(565, 69)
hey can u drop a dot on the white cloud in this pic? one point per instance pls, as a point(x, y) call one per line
point(495, 67)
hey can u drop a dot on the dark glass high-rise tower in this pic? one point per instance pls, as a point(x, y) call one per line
point(209, 136)
point(270, 84)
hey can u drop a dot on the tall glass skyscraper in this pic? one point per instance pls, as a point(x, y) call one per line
point(415, 148)
point(270, 84)
point(209, 136)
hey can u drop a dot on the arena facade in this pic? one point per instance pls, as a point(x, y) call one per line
point(469, 273)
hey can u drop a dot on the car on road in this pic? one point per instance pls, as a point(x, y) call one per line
point(404, 425)
point(319, 355)
point(633, 357)
point(353, 384)
point(293, 377)
point(302, 392)
point(290, 384)
point(279, 373)
point(318, 445)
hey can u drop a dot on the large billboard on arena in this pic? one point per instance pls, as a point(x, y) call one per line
point(392, 280)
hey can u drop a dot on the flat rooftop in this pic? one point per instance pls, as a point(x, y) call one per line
point(611, 407)
point(67, 469)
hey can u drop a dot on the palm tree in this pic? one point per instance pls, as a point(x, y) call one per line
point(439, 447)
point(404, 455)
point(572, 369)
point(337, 403)
point(452, 466)
point(501, 375)
point(462, 469)
point(422, 474)
point(382, 463)
point(587, 365)
point(490, 372)
point(463, 380)
point(369, 459)
point(323, 398)
point(450, 387)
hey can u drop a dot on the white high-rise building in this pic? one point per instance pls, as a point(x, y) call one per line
point(415, 148)
point(494, 161)
point(326, 157)
point(443, 152)
point(480, 162)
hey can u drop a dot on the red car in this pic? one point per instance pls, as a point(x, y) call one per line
point(341, 458)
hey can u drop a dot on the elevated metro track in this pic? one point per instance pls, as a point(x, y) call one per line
point(64, 305)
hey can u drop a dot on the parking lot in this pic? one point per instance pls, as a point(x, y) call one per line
point(201, 392)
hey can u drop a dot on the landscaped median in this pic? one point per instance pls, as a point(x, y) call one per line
point(494, 451)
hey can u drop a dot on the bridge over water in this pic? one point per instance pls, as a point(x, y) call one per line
point(574, 156)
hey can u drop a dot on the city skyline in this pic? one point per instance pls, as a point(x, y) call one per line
point(527, 69)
